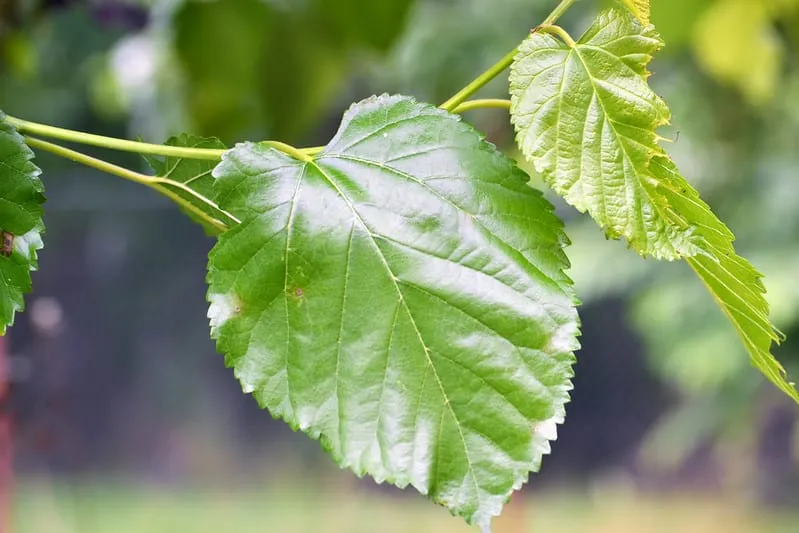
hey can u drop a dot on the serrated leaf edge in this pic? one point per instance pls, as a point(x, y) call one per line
point(29, 243)
point(224, 306)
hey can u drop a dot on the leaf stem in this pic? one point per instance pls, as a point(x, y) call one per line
point(481, 80)
point(156, 182)
point(88, 160)
point(124, 145)
point(496, 69)
point(289, 150)
point(485, 103)
point(464, 106)
point(315, 150)
point(559, 32)
point(558, 12)
point(111, 143)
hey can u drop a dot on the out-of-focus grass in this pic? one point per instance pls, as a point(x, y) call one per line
point(48, 507)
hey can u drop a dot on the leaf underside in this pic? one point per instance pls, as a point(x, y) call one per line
point(587, 118)
point(21, 192)
point(195, 174)
point(402, 297)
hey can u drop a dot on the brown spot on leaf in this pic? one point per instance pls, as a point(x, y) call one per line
point(7, 244)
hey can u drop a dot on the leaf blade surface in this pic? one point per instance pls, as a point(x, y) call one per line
point(401, 297)
point(587, 118)
point(21, 199)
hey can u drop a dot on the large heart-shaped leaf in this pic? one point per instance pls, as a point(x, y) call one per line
point(401, 297)
point(21, 201)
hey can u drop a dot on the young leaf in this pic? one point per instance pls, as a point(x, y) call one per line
point(20, 217)
point(732, 281)
point(402, 297)
point(194, 173)
point(639, 8)
point(586, 117)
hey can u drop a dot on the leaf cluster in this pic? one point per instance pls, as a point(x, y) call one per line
point(401, 294)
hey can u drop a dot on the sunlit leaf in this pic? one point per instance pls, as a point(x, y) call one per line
point(732, 281)
point(587, 119)
point(401, 297)
point(21, 201)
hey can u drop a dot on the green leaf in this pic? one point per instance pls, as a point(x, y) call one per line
point(587, 119)
point(195, 174)
point(21, 201)
point(639, 8)
point(732, 281)
point(402, 297)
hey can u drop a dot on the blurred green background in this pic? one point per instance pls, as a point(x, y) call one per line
point(125, 418)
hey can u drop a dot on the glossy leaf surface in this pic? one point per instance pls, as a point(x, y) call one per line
point(21, 198)
point(402, 298)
